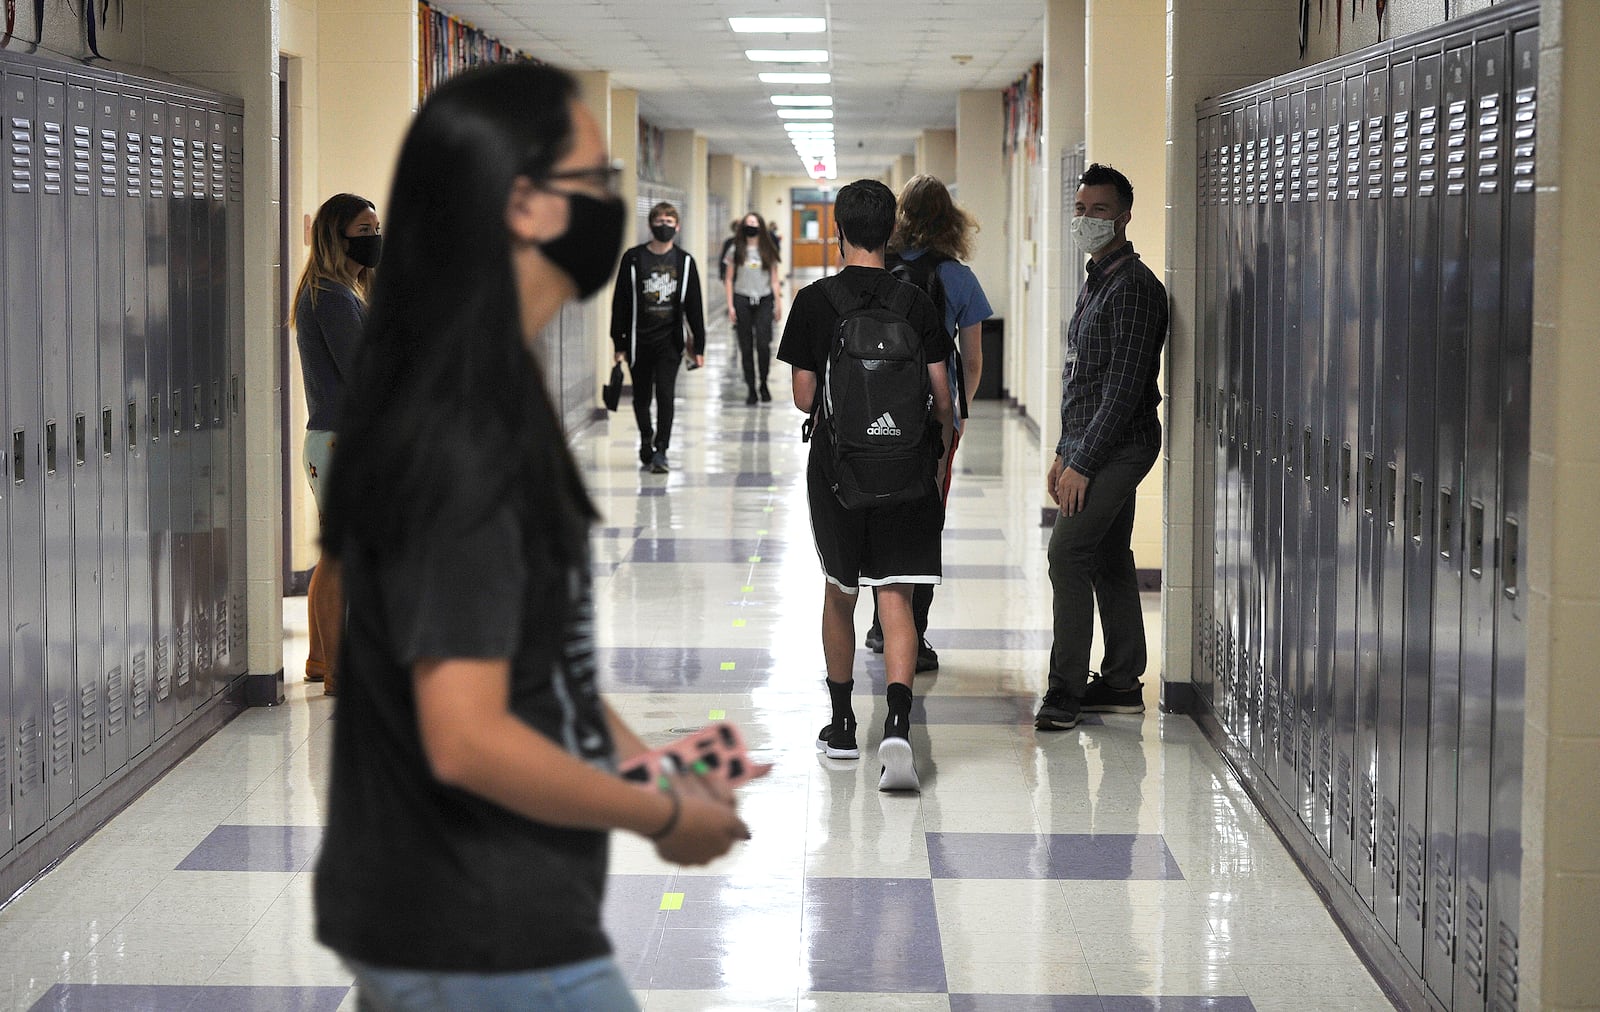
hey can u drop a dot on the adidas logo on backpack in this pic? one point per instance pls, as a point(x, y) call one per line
point(884, 426)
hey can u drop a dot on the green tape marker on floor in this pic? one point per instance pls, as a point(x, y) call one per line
point(672, 901)
point(727, 665)
point(755, 558)
point(747, 588)
point(738, 623)
point(717, 715)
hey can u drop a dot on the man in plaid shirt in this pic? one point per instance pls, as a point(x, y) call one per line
point(1110, 438)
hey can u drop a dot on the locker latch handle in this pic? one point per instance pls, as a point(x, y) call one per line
point(1446, 524)
point(233, 396)
point(1416, 507)
point(1508, 557)
point(155, 419)
point(199, 405)
point(79, 437)
point(19, 456)
point(133, 425)
point(1475, 539)
point(1391, 478)
point(177, 412)
point(1369, 491)
point(1307, 452)
point(1327, 463)
point(49, 447)
point(1344, 473)
point(105, 432)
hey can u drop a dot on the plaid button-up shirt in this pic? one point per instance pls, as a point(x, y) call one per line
point(1108, 381)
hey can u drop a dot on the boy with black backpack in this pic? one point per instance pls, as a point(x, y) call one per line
point(868, 355)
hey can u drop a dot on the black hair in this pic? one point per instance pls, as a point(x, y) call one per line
point(864, 211)
point(1104, 175)
point(446, 412)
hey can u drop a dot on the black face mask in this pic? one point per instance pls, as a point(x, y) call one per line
point(587, 251)
point(663, 232)
point(365, 250)
point(751, 231)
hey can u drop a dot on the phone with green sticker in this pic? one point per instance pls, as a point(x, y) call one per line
point(716, 750)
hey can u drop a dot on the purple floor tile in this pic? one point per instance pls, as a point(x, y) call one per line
point(974, 534)
point(1107, 856)
point(1097, 1003)
point(722, 550)
point(633, 920)
point(254, 848)
point(984, 572)
point(990, 639)
point(199, 998)
point(872, 935)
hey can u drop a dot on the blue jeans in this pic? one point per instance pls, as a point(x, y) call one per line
point(594, 985)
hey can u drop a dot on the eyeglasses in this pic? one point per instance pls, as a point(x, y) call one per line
point(604, 175)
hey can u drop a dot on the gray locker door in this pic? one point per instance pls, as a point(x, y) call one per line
point(1298, 562)
point(158, 377)
point(141, 421)
point(1275, 666)
point(56, 358)
point(1450, 369)
point(216, 380)
point(1511, 637)
point(1371, 113)
point(1393, 178)
point(1319, 533)
point(1309, 398)
point(1205, 395)
point(1222, 691)
point(1489, 128)
point(110, 433)
point(200, 270)
point(237, 613)
point(1246, 589)
point(1421, 481)
point(180, 376)
point(7, 767)
point(24, 425)
point(85, 464)
point(1330, 755)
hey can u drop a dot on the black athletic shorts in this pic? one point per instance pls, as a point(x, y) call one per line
point(873, 547)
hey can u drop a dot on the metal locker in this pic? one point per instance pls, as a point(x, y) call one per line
point(110, 432)
point(1260, 364)
point(24, 422)
point(1277, 732)
point(83, 466)
point(200, 270)
point(1199, 657)
point(56, 467)
point(1422, 278)
point(1222, 610)
point(1450, 369)
point(1297, 561)
point(7, 767)
point(158, 378)
point(1370, 115)
point(140, 406)
point(1233, 675)
point(179, 378)
point(1505, 813)
point(1245, 588)
point(1205, 397)
point(217, 448)
point(1488, 129)
point(1315, 808)
point(237, 612)
point(1393, 179)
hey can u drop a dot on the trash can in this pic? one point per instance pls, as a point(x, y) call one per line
point(994, 361)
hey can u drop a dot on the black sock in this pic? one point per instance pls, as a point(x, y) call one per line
point(898, 723)
point(839, 695)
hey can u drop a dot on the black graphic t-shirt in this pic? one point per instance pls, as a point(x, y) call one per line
point(416, 874)
point(659, 285)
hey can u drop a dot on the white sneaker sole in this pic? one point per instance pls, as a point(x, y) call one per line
point(899, 770)
point(837, 753)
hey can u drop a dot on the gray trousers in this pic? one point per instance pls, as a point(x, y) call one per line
point(1091, 562)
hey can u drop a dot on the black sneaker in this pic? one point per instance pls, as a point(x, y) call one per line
point(927, 657)
point(765, 396)
point(897, 770)
point(1102, 698)
point(840, 744)
point(750, 398)
point(874, 640)
point(646, 451)
point(658, 462)
point(1058, 712)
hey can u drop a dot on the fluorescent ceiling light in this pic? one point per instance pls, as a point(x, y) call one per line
point(786, 55)
point(805, 113)
point(777, 25)
point(794, 77)
point(819, 100)
point(823, 130)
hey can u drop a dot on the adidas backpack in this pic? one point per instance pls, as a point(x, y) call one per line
point(875, 399)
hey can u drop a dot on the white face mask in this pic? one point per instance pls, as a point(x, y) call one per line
point(1091, 235)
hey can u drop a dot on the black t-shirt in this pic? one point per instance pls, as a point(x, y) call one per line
point(813, 324)
point(659, 285)
point(415, 874)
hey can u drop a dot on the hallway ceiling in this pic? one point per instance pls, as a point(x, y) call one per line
point(894, 63)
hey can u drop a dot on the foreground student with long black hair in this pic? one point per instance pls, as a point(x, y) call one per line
point(474, 765)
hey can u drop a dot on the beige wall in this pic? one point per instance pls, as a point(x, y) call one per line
point(980, 125)
point(1561, 799)
point(936, 154)
point(685, 159)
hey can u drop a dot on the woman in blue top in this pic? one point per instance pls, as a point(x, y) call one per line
point(330, 308)
point(931, 238)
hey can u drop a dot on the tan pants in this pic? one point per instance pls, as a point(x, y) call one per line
point(324, 599)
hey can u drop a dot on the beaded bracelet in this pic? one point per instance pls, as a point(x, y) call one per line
point(677, 809)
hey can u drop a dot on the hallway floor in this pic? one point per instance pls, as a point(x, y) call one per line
point(1116, 866)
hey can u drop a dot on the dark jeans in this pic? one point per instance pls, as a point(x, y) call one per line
point(754, 326)
point(655, 373)
point(1091, 562)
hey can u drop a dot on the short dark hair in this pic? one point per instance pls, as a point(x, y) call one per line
point(1104, 175)
point(664, 208)
point(864, 211)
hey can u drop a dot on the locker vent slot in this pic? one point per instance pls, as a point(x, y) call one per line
point(222, 628)
point(1367, 809)
point(1506, 979)
point(60, 738)
point(180, 643)
point(163, 669)
point(1325, 770)
point(5, 762)
point(1522, 160)
point(29, 743)
point(21, 131)
point(82, 160)
point(52, 158)
point(1388, 856)
point(1307, 748)
point(202, 642)
point(1444, 914)
point(1509, 563)
point(116, 706)
point(79, 437)
point(88, 719)
point(139, 689)
point(1344, 799)
point(1475, 539)
point(108, 163)
point(1414, 870)
point(236, 647)
point(1473, 938)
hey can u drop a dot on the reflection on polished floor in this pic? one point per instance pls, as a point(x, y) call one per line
point(1116, 866)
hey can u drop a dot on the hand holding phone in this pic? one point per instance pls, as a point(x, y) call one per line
point(716, 751)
